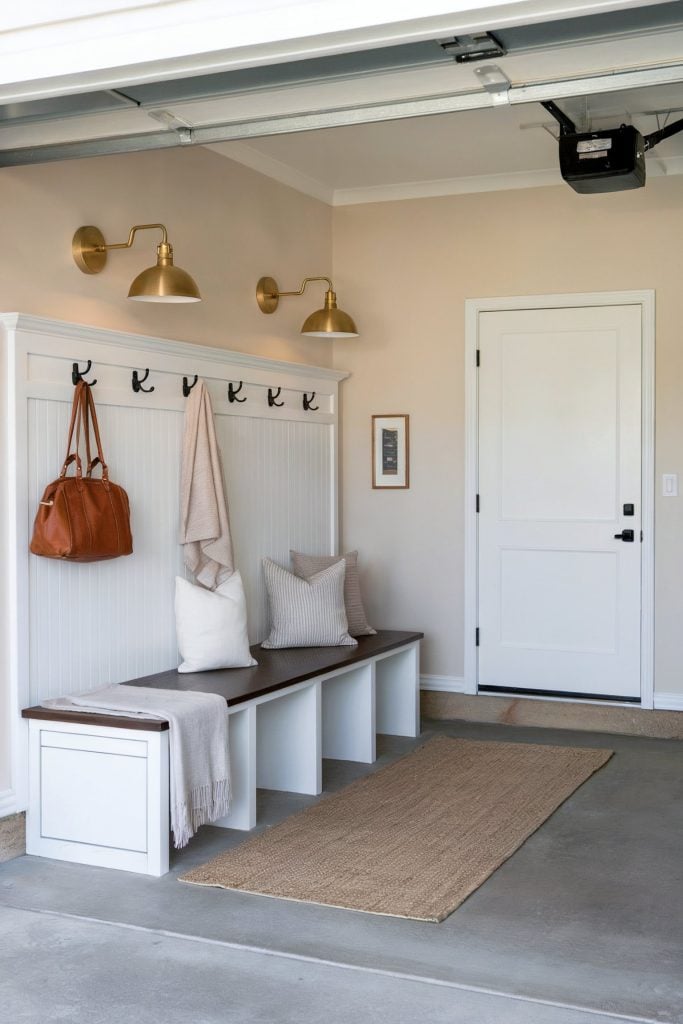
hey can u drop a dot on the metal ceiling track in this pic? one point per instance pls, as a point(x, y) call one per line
point(344, 116)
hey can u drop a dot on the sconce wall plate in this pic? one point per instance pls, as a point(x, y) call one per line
point(267, 294)
point(88, 249)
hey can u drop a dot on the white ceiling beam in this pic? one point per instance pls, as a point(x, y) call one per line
point(99, 44)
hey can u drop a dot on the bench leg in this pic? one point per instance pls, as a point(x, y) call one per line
point(242, 738)
point(348, 711)
point(288, 738)
point(158, 820)
point(398, 693)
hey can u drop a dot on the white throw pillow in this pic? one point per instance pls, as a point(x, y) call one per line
point(211, 626)
point(306, 613)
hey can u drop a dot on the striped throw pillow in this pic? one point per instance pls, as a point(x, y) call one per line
point(307, 565)
point(306, 613)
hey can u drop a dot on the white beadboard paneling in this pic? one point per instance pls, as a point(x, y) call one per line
point(277, 481)
point(91, 624)
point(102, 622)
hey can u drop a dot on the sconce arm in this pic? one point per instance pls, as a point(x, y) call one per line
point(306, 281)
point(131, 236)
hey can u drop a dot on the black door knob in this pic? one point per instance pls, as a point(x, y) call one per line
point(628, 536)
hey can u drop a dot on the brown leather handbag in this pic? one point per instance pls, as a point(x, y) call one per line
point(83, 518)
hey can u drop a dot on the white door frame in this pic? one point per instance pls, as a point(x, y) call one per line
point(473, 308)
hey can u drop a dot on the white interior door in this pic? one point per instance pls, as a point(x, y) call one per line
point(559, 477)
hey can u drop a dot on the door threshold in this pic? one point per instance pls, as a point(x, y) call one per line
point(518, 691)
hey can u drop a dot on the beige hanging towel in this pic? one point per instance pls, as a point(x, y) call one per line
point(204, 523)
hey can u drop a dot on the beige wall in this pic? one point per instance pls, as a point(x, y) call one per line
point(228, 225)
point(404, 269)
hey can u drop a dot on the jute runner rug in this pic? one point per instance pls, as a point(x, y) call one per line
point(415, 838)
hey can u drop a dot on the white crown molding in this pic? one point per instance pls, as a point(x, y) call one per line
point(288, 175)
point(103, 336)
point(668, 701)
point(664, 167)
point(245, 154)
point(446, 187)
point(656, 168)
point(443, 684)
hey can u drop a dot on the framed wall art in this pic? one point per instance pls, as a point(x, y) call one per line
point(390, 453)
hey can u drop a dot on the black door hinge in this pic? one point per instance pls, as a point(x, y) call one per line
point(478, 357)
point(476, 637)
point(477, 504)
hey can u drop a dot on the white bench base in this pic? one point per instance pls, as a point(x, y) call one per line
point(99, 795)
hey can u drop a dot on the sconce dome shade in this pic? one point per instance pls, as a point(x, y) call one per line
point(164, 283)
point(329, 322)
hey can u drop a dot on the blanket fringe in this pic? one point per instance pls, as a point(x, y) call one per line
point(205, 804)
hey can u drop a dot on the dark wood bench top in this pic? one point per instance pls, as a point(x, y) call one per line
point(275, 671)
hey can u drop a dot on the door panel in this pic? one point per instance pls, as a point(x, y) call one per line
point(559, 456)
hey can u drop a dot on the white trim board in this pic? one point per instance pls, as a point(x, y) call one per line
point(443, 684)
point(8, 803)
point(473, 308)
point(105, 336)
point(668, 701)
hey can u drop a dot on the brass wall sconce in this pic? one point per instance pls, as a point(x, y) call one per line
point(161, 283)
point(328, 322)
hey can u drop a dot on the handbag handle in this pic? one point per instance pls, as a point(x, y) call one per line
point(90, 417)
point(75, 422)
point(83, 414)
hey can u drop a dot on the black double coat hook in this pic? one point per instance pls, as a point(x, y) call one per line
point(77, 375)
point(137, 382)
point(188, 387)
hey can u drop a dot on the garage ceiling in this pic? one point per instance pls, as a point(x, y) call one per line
point(371, 140)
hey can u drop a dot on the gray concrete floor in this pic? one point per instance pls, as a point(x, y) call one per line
point(583, 924)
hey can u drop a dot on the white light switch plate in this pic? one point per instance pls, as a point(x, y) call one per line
point(670, 485)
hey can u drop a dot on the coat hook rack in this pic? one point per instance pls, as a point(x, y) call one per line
point(77, 375)
point(137, 382)
point(188, 387)
point(272, 396)
point(233, 392)
point(308, 403)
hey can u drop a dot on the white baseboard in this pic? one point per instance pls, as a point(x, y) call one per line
point(8, 803)
point(668, 701)
point(443, 684)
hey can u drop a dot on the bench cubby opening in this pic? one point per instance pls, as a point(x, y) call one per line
point(348, 715)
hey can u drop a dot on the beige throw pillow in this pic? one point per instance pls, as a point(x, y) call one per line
point(307, 565)
point(306, 613)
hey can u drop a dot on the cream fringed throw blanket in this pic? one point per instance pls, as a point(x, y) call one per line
point(198, 741)
point(204, 523)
